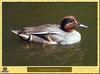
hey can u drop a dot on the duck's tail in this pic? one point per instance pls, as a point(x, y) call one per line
point(15, 31)
point(23, 36)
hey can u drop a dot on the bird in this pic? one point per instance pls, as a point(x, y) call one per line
point(63, 33)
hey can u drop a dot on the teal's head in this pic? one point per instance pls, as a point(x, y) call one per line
point(69, 23)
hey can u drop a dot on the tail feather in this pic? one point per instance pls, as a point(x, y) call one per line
point(15, 31)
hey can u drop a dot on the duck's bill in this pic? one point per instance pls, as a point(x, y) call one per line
point(84, 26)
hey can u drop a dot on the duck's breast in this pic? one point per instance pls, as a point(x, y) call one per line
point(72, 37)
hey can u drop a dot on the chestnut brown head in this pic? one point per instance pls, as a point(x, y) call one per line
point(69, 23)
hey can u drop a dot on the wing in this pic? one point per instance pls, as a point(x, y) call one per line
point(43, 29)
point(46, 32)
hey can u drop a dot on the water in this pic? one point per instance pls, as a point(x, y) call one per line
point(17, 52)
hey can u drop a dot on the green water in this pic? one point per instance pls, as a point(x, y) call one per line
point(17, 52)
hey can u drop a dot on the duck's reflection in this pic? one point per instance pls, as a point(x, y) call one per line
point(52, 55)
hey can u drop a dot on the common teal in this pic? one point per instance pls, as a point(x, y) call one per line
point(62, 33)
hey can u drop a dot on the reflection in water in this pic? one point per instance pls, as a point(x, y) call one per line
point(57, 55)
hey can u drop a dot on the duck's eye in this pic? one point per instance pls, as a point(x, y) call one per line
point(66, 21)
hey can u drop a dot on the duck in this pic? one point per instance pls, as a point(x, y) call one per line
point(63, 33)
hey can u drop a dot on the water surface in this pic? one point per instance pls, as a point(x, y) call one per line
point(17, 52)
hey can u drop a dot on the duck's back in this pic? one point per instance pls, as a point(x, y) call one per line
point(43, 29)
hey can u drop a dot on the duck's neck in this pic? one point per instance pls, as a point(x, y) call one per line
point(66, 30)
